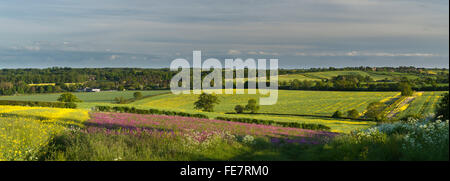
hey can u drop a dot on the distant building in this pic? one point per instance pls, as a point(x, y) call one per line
point(89, 90)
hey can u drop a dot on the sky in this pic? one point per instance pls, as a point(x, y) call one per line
point(150, 34)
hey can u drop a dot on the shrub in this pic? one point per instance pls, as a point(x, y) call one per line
point(353, 114)
point(239, 109)
point(442, 108)
point(137, 95)
point(375, 110)
point(405, 89)
point(120, 100)
point(337, 114)
point(252, 106)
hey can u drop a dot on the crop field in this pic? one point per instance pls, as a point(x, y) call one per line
point(424, 104)
point(25, 130)
point(330, 74)
point(322, 103)
point(292, 106)
point(89, 97)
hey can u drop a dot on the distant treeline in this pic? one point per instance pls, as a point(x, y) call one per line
point(275, 123)
point(365, 83)
point(20, 81)
point(124, 109)
point(39, 104)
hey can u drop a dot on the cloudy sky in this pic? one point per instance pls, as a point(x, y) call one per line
point(300, 33)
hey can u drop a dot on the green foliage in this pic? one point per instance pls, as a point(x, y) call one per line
point(137, 95)
point(337, 114)
point(206, 102)
point(239, 109)
point(68, 97)
point(252, 106)
point(124, 109)
point(405, 89)
point(277, 123)
point(353, 113)
point(120, 100)
point(80, 146)
point(375, 111)
point(401, 141)
point(442, 108)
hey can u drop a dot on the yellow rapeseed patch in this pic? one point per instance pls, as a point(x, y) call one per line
point(25, 130)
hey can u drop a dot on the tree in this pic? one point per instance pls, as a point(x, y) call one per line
point(251, 106)
point(353, 113)
point(337, 114)
point(405, 88)
point(68, 97)
point(120, 100)
point(375, 110)
point(239, 109)
point(206, 102)
point(137, 95)
point(442, 108)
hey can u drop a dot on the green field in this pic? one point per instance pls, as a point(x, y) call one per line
point(86, 97)
point(330, 74)
point(292, 105)
point(322, 103)
point(424, 104)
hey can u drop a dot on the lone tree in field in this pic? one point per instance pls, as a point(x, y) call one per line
point(405, 88)
point(442, 108)
point(239, 109)
point(353, 114)
point(337, 114)
point(375, 110)
point(252, 106)
point(68, 97)
point(206, 102)
point(137, 95)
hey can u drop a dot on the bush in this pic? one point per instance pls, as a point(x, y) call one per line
point(68, 97)
point(406, 89)
point(375, 110)
point(274, 123)
point(337, 114)
point(239, 109)
point(120, 100)
point(137, 95)
point(353, 114)
point(442, 108)
point(252, 106)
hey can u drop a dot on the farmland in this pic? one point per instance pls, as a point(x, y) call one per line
point(289, 102)
point(424, 104)
point(25, 130)
point(376, 76)
point(29, 133)
point(89, 97)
